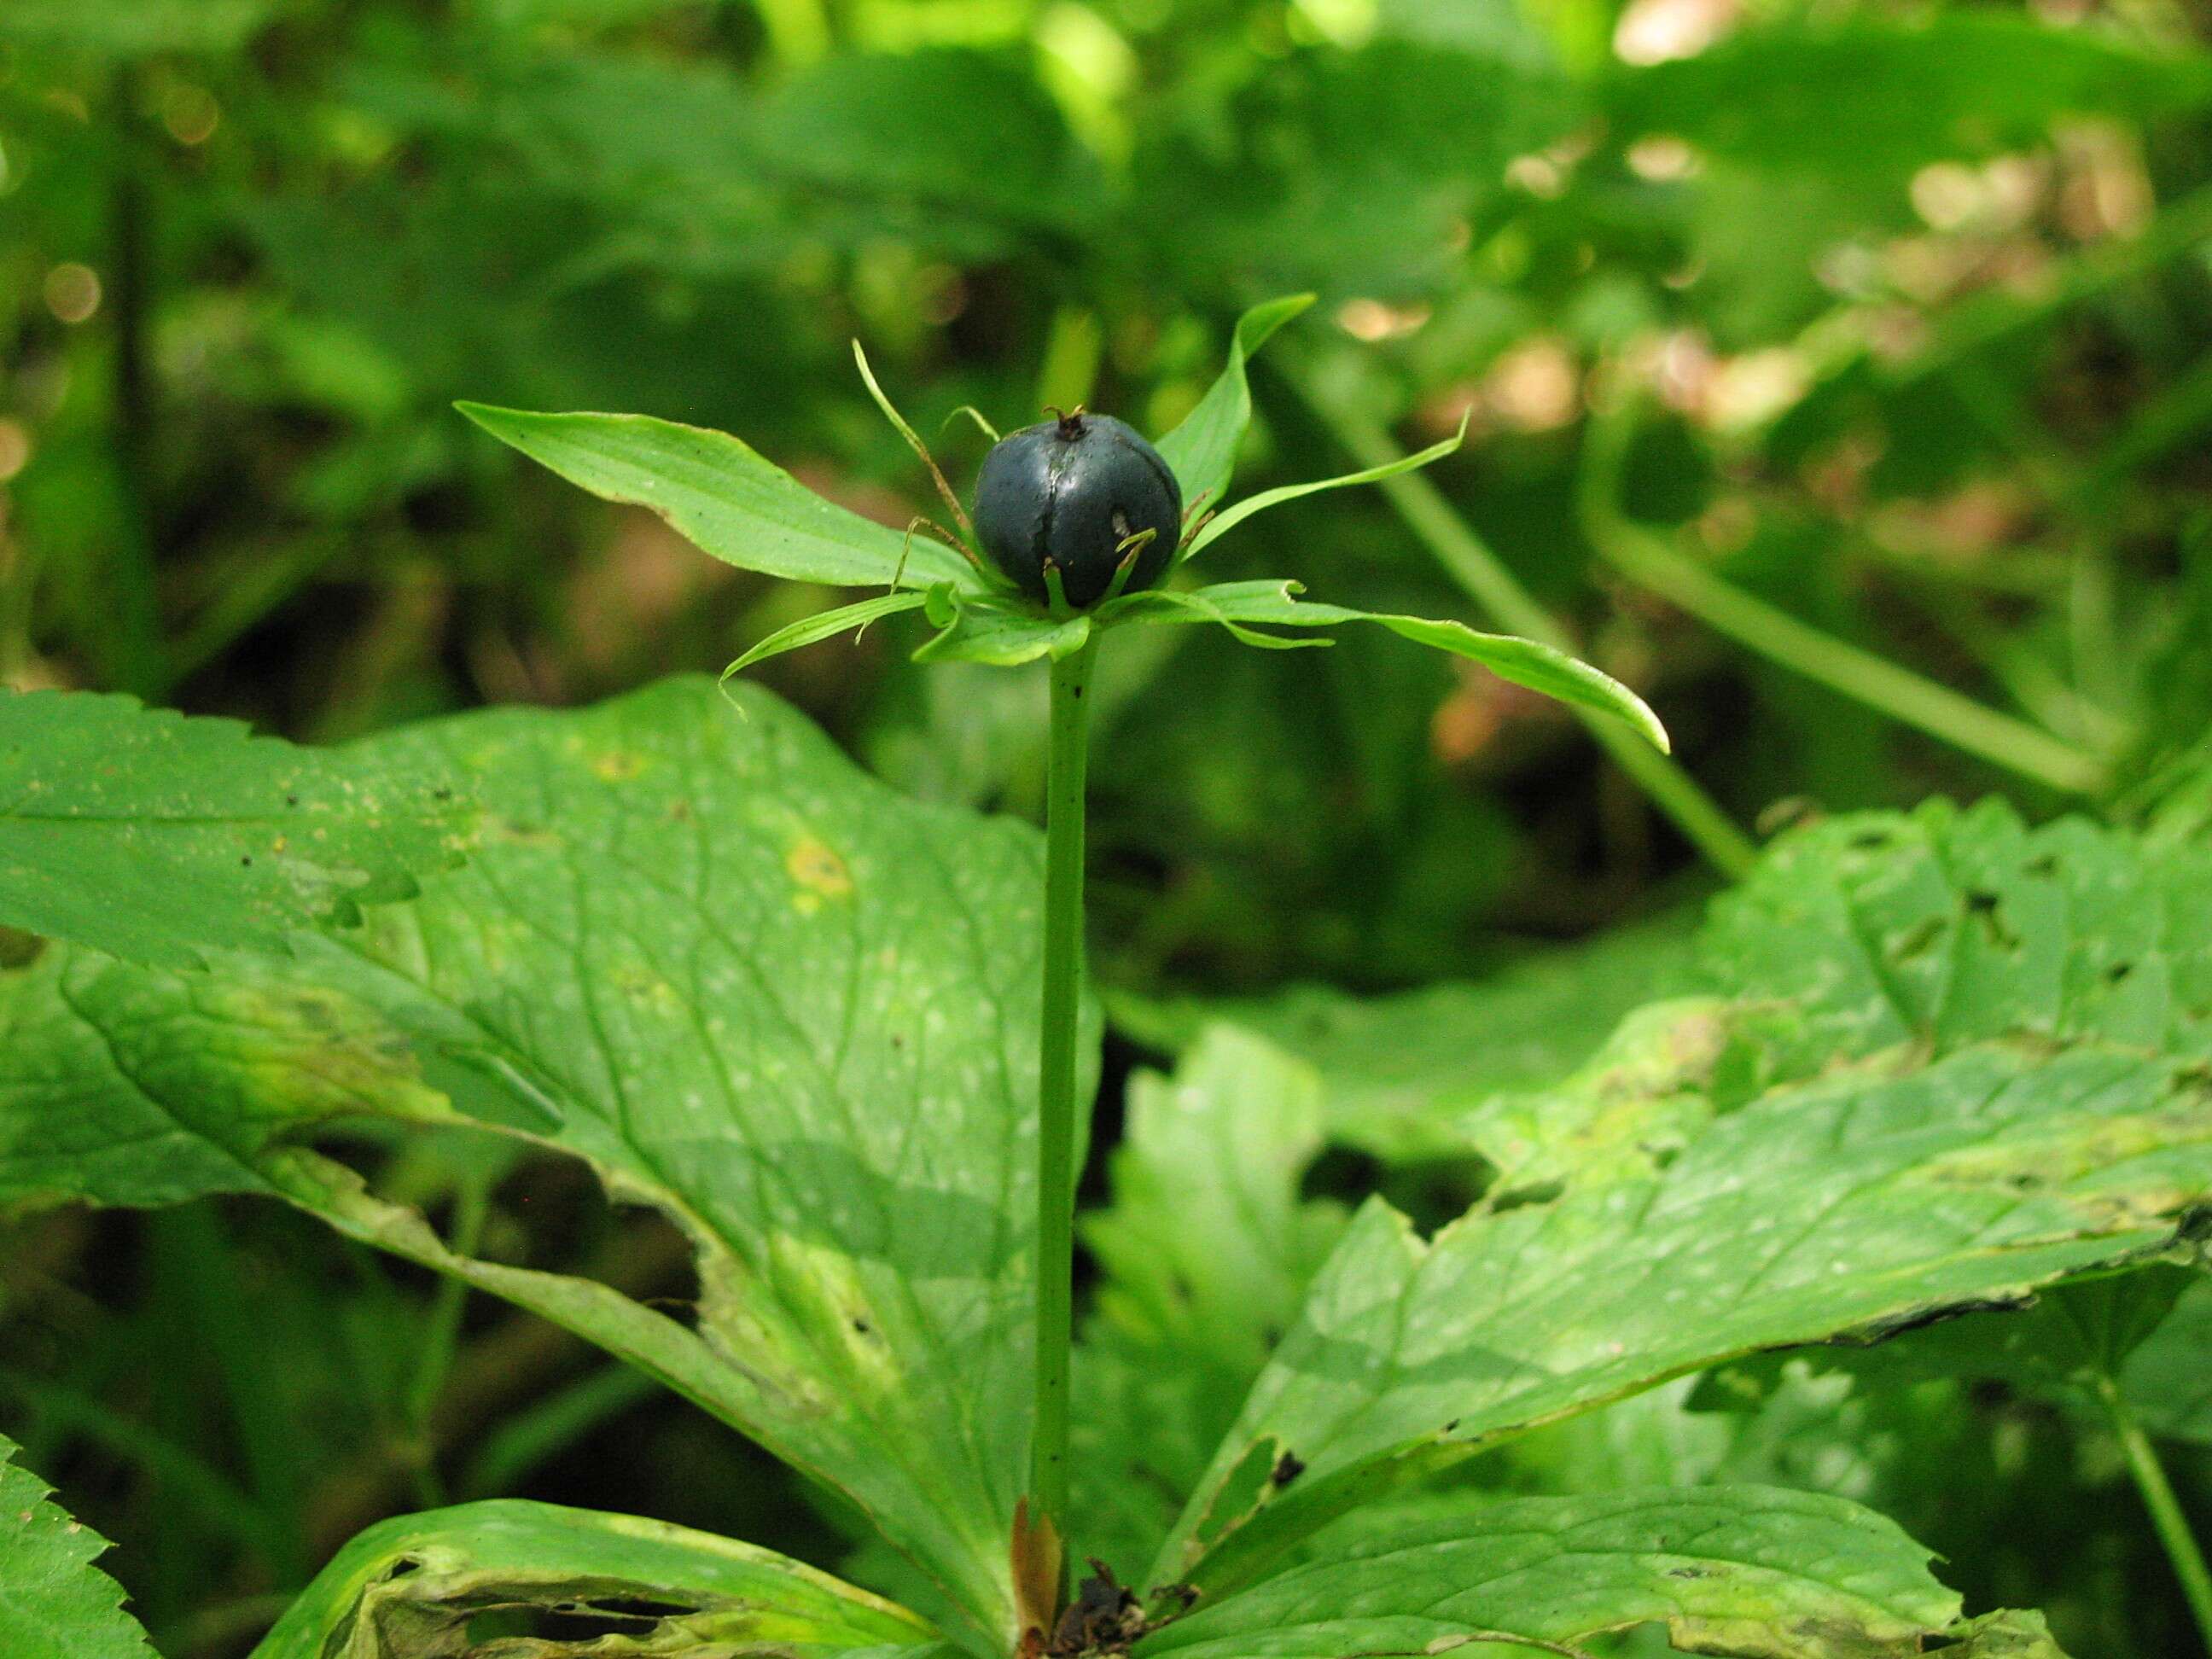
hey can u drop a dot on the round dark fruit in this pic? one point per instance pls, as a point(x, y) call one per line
point(1072, 492)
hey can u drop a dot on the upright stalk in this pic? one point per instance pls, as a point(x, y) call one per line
point(1056, 1097)
point(2166, 1517)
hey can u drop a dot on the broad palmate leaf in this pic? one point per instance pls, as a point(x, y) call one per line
point(412, 1587)
point(149, 834)
point(52, 1599)
point(1751, 1572)
point(750, 987)
point(1967, 1063)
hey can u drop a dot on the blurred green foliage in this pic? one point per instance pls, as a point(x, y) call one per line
point(1886, 322)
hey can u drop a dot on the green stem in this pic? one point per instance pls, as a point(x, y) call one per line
point(2166, 1516)
point(1649, 561)
point(1063, 984)
point(1470, 562)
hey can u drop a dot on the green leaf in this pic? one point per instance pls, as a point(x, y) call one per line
point(1947, 924)
point(52, 1599)
point(1524, 662)
point(1748, 1571)
point(717, 492)
point(826, 624)
point(1403, 1076)
point(411, 1587)
point(149, 834)
point(1206, 1243)
point(1004, 632)
point(2167, 1380)
point(1865, 94)
point(1230, 518)
point(1204, 1250)
point(1883, 1149)
point(746, 985)
point(135, 27)
point(1844, 1207)
point(1202, 449)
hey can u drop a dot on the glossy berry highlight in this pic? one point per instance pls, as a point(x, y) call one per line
point(1074, 493)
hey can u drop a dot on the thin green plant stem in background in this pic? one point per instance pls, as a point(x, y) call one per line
point(2166, 1517)
point(1646, 559)
point(1066, 769)
point(1470, 562)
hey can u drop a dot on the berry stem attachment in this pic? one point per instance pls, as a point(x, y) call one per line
point(1067, 768)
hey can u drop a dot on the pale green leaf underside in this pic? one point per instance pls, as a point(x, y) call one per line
point(1202, 449)
point(1748, 1571)
point(748, 986)
point(722, 495)
point(1542, 668)
point(408, 1588)
point(151, 835)
point(826, 624)
point(1002, 633)
point(52, 1599)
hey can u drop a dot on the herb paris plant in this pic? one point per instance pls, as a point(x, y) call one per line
point(1076, 520)
point(795, 1013)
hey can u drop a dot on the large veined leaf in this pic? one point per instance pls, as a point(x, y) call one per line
point(1948, 924)
point(1748, 1571)
point(721, 494)
point(2034, 1115)
point(151, 835)
point(412, 1587)
point(52, 1599)
point(749, 987)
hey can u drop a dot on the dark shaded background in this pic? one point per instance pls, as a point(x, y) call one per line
point(1895, 316)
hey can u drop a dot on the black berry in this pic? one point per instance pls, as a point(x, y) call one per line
point(1072, 492)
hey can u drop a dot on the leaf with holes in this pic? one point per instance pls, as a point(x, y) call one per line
point(747, 986)
point(412, 1587)
point(151, 835)
point(1748, 1571)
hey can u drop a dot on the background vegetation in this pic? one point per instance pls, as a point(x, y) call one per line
point(1838, 376)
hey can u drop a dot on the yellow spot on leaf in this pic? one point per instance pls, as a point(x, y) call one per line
point(820, 874)
point(617, 765)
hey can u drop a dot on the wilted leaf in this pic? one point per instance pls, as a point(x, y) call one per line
point(410, 1589)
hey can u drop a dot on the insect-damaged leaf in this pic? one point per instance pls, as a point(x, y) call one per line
point(52, 1599)
point(2015, 1113)
point(409, 1588)
point(151, 835)
point(1749, 1571)
point(747, 985)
